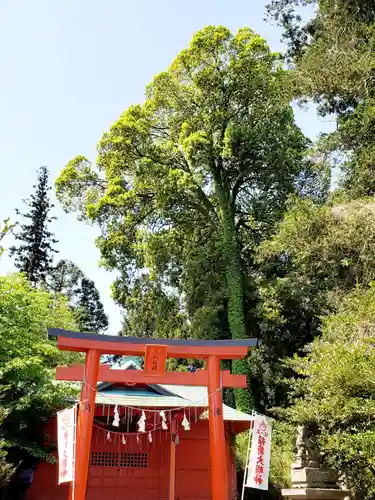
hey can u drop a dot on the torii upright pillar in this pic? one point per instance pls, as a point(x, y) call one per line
point(155, 351)
point(218, 455)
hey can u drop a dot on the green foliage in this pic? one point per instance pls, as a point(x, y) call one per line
point(153, 313)
point(334, 64)
point(28, 393)
point(89, 311)
point(318, 255)
point(197, 172)
point(328, 247)
point(84, 299)
point(5, 229)
point(242, 442)
point(336, 391)
point(34, 255)
point(333, 49)
point(6, 469)
point(283, 438)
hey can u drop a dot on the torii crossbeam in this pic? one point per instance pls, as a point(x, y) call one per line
point(155, 351)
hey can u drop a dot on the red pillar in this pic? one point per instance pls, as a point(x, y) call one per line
point(219, 472)
point(84, 424)
point(172, 462)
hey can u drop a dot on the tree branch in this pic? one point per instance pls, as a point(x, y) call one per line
point(242, 223)
point(236, 188)
point(201, 194)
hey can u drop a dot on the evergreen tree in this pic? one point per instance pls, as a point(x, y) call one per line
point(84, 299)
point(90, 311)
point(34, 254)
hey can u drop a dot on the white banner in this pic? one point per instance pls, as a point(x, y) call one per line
point(65, 441)
point(258, 466)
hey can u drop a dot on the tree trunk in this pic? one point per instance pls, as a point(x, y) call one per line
point(234, 278)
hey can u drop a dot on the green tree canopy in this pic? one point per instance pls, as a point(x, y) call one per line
point(318, 255)
point(151, 312)
point(324, 248)
point(28, 393)
point(333, 57)
point(212, 153)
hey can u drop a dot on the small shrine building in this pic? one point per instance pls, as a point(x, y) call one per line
point(147, 440)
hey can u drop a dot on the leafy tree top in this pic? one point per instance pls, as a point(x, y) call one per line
point(330, 247)
point(207, 161)
point(215, 139)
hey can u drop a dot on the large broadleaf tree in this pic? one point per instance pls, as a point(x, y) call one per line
point(201, 170)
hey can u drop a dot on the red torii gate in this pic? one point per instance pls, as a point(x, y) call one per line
point(156, 352)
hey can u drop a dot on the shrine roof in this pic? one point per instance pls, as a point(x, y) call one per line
point(159, 401)
point(161, 396)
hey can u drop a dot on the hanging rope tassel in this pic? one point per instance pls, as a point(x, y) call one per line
point(150, 437)
point(123, 439)
point(109, 436)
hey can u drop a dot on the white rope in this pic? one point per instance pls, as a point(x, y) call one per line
point(191, 404)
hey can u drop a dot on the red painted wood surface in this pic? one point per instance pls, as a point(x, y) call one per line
point(218, 451)
point(155, 360)
point(84, 424)
point(174, 351)
point(172, 461)
point(106, 374)
point(193, 476)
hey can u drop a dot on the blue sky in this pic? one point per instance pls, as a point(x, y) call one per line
point(68, 70)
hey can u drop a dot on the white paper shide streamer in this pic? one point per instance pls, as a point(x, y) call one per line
point(116, 418)
point(185, 423)
point(142, 423)
point(164, 425)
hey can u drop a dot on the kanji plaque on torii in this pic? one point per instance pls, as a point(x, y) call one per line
point(155, 359)
point(156, 352)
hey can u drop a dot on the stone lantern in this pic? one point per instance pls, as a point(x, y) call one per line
point(309, 479)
